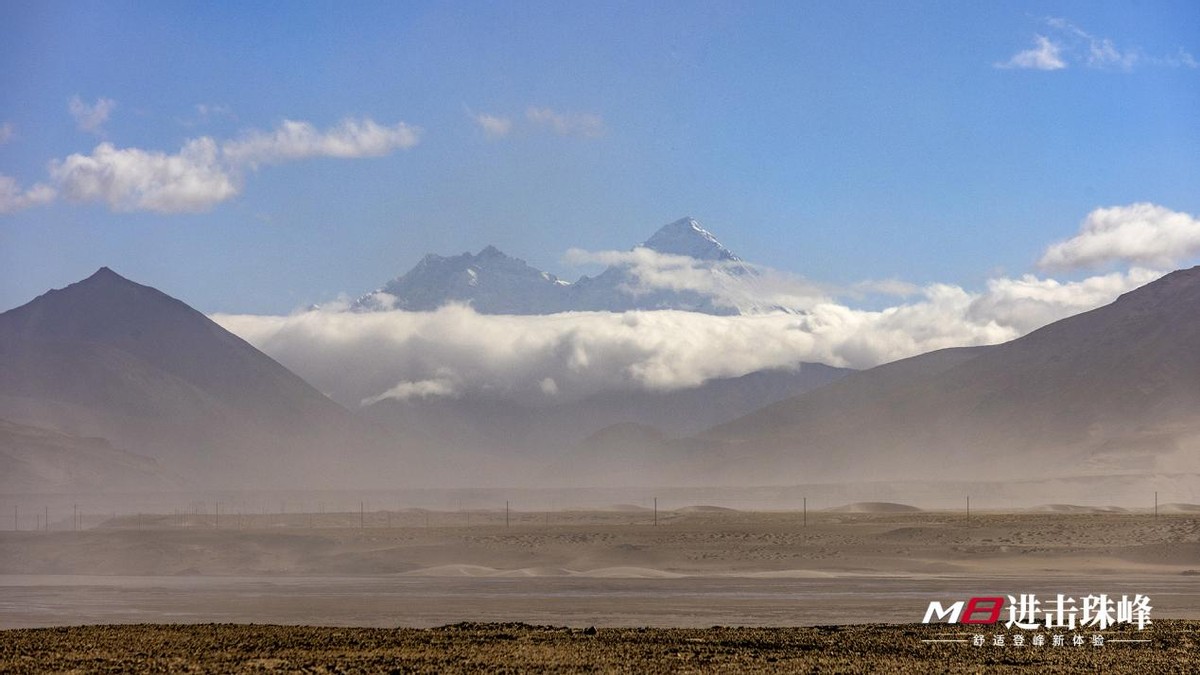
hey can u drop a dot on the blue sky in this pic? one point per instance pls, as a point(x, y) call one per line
point(925, 142)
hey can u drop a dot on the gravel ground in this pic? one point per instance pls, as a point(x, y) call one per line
point(501, 648)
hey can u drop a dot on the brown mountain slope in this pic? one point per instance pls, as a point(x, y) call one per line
point(1116, 389)
point(111, 358)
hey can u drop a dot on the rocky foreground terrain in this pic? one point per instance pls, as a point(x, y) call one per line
point(1174, 647)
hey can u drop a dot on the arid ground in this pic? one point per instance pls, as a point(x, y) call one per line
point(165, 592)
point(524, 648)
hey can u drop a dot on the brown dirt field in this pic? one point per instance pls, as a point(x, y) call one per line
point(506, 648)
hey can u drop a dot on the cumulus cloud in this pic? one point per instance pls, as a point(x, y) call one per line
point(583, 125)
point(13, 198)
point(6, 132)
point(130, 179)
point(91, 118)
point(1045, 55)
point(493, 126)
point(206, 172)
point(294, 140)
point(1143, 233)
point(366, 357)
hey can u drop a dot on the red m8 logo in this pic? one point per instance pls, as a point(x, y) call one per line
point(976, 610)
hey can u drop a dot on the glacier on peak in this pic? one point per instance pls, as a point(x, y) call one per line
point(696, 271)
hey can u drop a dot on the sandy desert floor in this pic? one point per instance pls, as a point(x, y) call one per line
point(697, 567)
point(174, 592)
point(700, 541)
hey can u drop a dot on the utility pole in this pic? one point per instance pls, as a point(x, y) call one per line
point(968, 508)
point(1156, 503)
point(362, 518)
point(806, 512)
point(656, 511)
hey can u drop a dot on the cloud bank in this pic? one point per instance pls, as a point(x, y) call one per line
point(205, 172)
point(361, 358)
point(733, 284)
point(1142, 234)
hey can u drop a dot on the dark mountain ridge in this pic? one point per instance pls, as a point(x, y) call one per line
point(107, 357)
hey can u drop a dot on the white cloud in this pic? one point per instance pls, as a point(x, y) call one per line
point(493, 126)
point(205, 172)
point(894, 287)
point(731, 284)
point(91, 118)
point(130, 179)
point(1045, 56)
point(1029, 302)
point(1145, 234)
point(443, 387)
point(1102, 53)
point(1072, 45)
point(300, 140)
point(453, 351)
point(1183, 59)
point(584, 125)
point(6, 132)
point(205, 113)
point(13, 198)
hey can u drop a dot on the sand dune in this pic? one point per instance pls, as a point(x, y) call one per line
point(1075, 508)
point(874, 507)
point(626, 572)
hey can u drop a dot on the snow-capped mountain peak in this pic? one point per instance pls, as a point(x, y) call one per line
point(490, 281)
point(686, 237)
point(495, 283)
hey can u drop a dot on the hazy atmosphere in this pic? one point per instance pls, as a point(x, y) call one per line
point(691, 314)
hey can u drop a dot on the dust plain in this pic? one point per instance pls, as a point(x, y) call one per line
point(654, 585)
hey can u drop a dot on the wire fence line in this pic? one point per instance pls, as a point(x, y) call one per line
point(246, 512)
